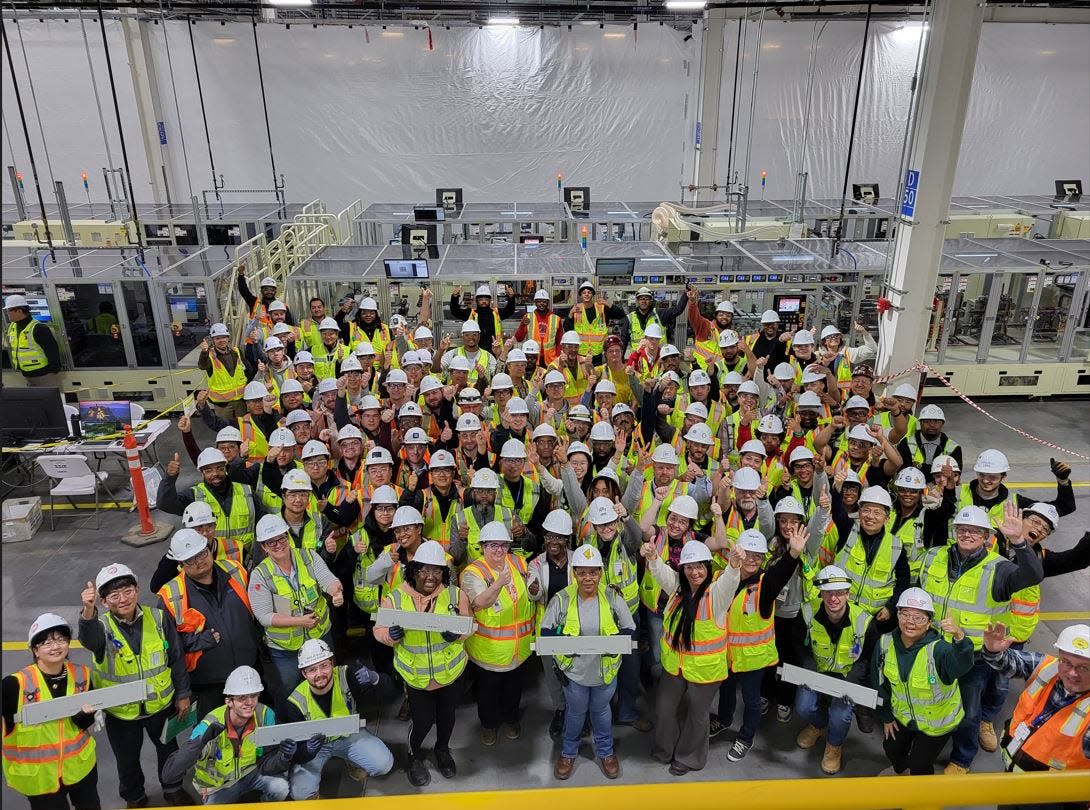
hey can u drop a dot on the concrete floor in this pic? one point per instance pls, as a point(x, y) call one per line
point(49, 572)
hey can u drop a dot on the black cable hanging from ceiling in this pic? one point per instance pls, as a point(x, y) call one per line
point(839, 235)
point(278, 188)
point(216, 185)
point(733, 106)
point(29, 149)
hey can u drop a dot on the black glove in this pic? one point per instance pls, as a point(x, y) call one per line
point(287, 749)
point(367, 675)
point(1060, 470)
point(397, 632)
point(449, 636)
point(315, 743)
point(214, 730)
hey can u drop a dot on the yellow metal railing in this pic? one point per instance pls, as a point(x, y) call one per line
point(865, 793)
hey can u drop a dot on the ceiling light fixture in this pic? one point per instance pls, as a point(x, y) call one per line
point(291, 3)
point(686, 5)
point(503, 20)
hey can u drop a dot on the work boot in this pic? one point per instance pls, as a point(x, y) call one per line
point(418, 771)
point(179, 798)
point(564, 767)
point(611, 766)
point(953, 769)
point(445, 762)
point(488, 737)
point(556, 727)
point(988, 741)
point(514, 730)
point(830, 760)
point(809, 736)
point(864, 718)
point(141, 802)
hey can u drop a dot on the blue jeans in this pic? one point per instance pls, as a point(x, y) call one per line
point(750, 684)
point(654, 635)
point(273, 789)
point(582, 700)
point(286, 663)
point(628, 683)
point(966, 741)
point(824, 712)
point(996, 691)
point(362, 749)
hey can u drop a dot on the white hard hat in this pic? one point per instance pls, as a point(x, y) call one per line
point(47, 621)
point(694, 551)
point(973, 516)
point(808, 400)
point(770, 424)
point(484, 291)
point(329, 324)
point(410, 408)
point(699, 377)
point(770, 316)
point(429, 553)
point(210, 456)
point(856, 401)
point(468, 421)
point(878, 495)
point(296, 417)
point(784, 372)
point(484, 479)
point(653, 331)
point(571, 338)
point(1074, 640)
point(470, 326)
point(277, 306)
point(1047, 511)
point(728, 338)
point(422, 333)
point(859, 433)
point(812, 377)
point(828, 331)
point(752, 540)
point(314, 449)
point(243, 681)
point(941, 461)
point(365, 349)
point(379, 455)
point(753, 446)
point(905, 391)
point(700, 434)
point(281, 437)
point(991, 461)
point(229, 434)
point(197, 513)
point(697, 409)
point(369, 304)
point(411, 358)
point(664, 454)
point(415, 436)
point(586, 285)
point(370, 403)
point(554, 376)
point(602, 511)
point(326, 385)
point(513, 449)
point(281, 328)
point(186, 544)
point(429, 384)
point(425, 356)
point(580, 413)
point(255, 390)
point(579, 447)
point(292, 386)
point(801, 453)
point(16, 302)
point(747, 479)
point(303, 357)
point(932, 412)
point(351, 363)
point(459, 363)
point(349, 432)
point(542, 295)
point(441, 459)
point(644, 291)
point(513, 356)
point(852, 477)
point(397, 377)
point(669, 350)
point(619, 408)
point(605, 387)
point(602, 432)
point(218, 330)
point(910, 478)
point(558, 521)
point(804, 337)
point(502, 382)
point(407, 516)
point(531, 347)
point(685, 506)
point(586, 556)
point(789, 506)
point(831, 578)
point(270, 526)
point(517, 406)
point(296, 481)
point(916, 598)
point(749, 387)
point(385, 495)
point(468, 395)
point(116, 571)
point(725, 306)
point(544, 431)
point(313, 651)
point(494, 532)
point(268, 281)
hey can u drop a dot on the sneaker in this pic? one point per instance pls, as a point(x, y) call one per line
point(809, 736)
point(953, 769)
point(141, 802)
point(445, 762)
point(179, 798)
point(988, 741)
point(556, 727)
point(418, 772)
point(356, 773)
point(830, 760)
point(514, 731)
point(765, 703)
point(715, 727)
point(738, 750)
point(783, 713)
point(488, 737)
point(864, 718)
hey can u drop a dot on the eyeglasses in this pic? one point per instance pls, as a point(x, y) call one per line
point(553, 537)
point(494, 544)
point(385, 507)
point(276, 542)
point(121, 593)
point(872, 511)
point(1082, 670)
point(198, 557)
point(53, 641)
point(913, 617)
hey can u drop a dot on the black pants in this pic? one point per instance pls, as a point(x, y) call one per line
point(209, 696)
point(83, 795)
point(914, 751)
point(126, 739)
point(775, 688)
point(499, 695)
point(432, 707)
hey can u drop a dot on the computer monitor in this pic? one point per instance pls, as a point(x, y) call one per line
point(613, 268)
point(530, 239)
point(577, 197)
point(421, 240)
point(449, 198)
point(406, 268)
point(787, 304)
point(28, 414)
point(429, 214)
point(865, 192)
point(1069, 190)
point(103, 417)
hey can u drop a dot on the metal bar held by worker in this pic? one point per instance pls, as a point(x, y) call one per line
point(417, 620)
point(57, 708)
point(827, 685)
point(584, 645)
point(331, 727)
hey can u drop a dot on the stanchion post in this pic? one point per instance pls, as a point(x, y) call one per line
point(148, 531)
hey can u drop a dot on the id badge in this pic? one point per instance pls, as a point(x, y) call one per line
point(617, 568)
point(1017, 739)
point(497, 607)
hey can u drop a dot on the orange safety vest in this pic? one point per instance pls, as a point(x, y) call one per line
point(841, 460)
point(224, 387)
point(175, 597)
point(544, 332)
point(1056, 745)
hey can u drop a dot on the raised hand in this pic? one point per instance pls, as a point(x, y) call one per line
point(204, 346)
point(1012, 521)
point(184, 424)
point(1061, 470)
point(948, 625)
point(504, 576)
point(331, 543)
point(174, 466)
point(89, 597)
point(797, 541)
point(648, 552)
point(996, 639)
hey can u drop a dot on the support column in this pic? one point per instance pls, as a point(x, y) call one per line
point(711, 80)
point(149, 109)
point(946, 79)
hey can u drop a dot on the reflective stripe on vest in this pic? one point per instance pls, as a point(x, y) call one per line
point(837, 658)
point(307, 597)
point(1024, 613)
point(504, 628)
point(258, 441)
point(223, 386)
point(235, 527)
point(592, 334)
point(544, 331)
point(968, 598)
point(189, 620)
point(635, 329)
point(121, 665)
point(364, 594)
point(751, 638)
point(935, 707)
point(872, 582)
point(423, 656)
point(569, 626)
point(1056, 744)
point(219, 766)
point(706, 659)
point(341, 703)
point(26, 353)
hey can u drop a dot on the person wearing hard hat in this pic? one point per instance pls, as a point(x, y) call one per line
point(388, 569)
point(366, 326)
point(917, 673)
point(644, 359)
point(487, 316)
point(197, 516)
point(227, 374)
point(576, 370)
point(327, 691)
point(471, 453)
point(590, 318)
point(972, 583)
point(838, 635)
point(838, 358)
point(372, 536)
point(308, 327)
point(480, 506)
point(770, 341)
point(411, 467)
point(917, 522)
point(747, 507)
point(51, 764)
point(515, 362)
point(227, 764)
point(615, 370)
point(869, 454)
point(603, 441)
point(693, 649)
point(330, 352)
point(543, 443)
point(128, 642)
point(741, 424)
point(32, 347)
point(929, 442)
point(654, 485)
point(430, 663)
point(895, 412)
point(438, 409)
point(587, 608)
point(698, 392)
point(543, 325)
point(277, 366)
point(706, 332)
point(855, 412)
point(473, 356)
point(802, 480)
point(644, 314)
point(496, 587)
point(734, 363)
point(413, 367)
point(514, 422)
point(441, 502)
point(258, 306)
point(279, 460)
point(287, 592)
point(521, 496)
point(380, 471)
point(554, 406)
point(256, 424)
point(600, 396)
point(1049, 729)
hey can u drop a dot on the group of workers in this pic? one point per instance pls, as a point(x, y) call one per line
point(748, 502)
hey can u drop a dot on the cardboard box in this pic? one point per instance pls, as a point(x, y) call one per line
point(22, 519)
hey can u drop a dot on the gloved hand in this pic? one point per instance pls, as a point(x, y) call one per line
point(397, 632)
point(214, 730)
point(315, 743)
point(366, 675)
point(1060, 470)
point(287, 749)
point(449, 636)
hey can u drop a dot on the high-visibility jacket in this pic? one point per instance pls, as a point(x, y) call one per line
point(717, 413)
point(544, 331)
point(935, 707)
point(910, 533)
point(751, 638)
point(635, 329)
point(121, 665)
point(842, 370)
point(378, 340)
point(305, 597)
point(473, 540)
point(872, 582)
point(258, 441)
point(968, 598)
point(436, 527)
point(224, 387)
point(309, 334)
point(650, 590)
point(531, 492)
point(478, 368)
point(42, 758)
point(190, 620)
point(722, 367)
point(423, 656)
point(341, 702)
point(620, 572)
point(916, 454)
point(706, 352)
point(326, 360)
point(841, 460)
point(364, 594)
point(26, 353)
point(706, 659)
point(1056, 743)
point(995, 511)
point(505, 628)
point(227, 758)
point(647, 496)
point(592, 333)
point(575, 382)
point(235, 528)
point(475, 315)
point(840, 657)
point(569, 626)
point(1024, 612)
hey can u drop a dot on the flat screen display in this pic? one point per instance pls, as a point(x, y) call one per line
point(101, 418)
point(614, 267)
point(406, 268)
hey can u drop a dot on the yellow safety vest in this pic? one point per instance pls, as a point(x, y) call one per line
point(306, 597)
point(505, 628)
point(635, 330)
point(224, 387)
point(592, 334)
point(477, 369)
point(706, 660)
point(911, 536)
point(838, 658)
point(530, 494)
point(341, 703)
point(436, 527)
point(650, 591)
point(751, 638)
point(258, 441)
point(220, 765)
point(26, 353)
point(935, 707)
point(326, 360)
point(473, 541)
point(121, 665)
point(873, 582)
point(365, 595)
point(423, 656)
point(620, 572)
point(235, 529)
point(497, 326)
point(968, 598)
point(569, 626)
